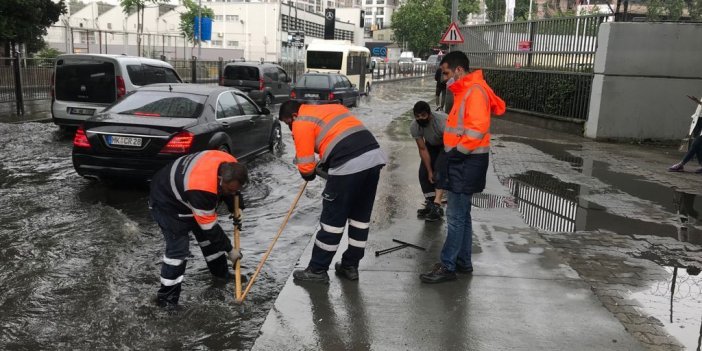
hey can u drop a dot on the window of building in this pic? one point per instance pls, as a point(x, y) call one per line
point(109, 26)
point(379, 22)
point(219, 18)
point(330, 4)
point(381, 37)
point(368, 22)
point(232, 18)
point(380, 11)
point(369, 2)
point(233, 43)
point(216, 43)
point(380, 2)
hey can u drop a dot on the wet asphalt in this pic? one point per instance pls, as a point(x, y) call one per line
point(80, 260)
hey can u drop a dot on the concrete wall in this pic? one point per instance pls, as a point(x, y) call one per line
point(643, 72)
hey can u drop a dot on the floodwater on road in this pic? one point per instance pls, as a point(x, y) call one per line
point(80, 260)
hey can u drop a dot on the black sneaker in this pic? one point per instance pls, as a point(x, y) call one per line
point(438, 274)
point(348, 272)
point(435, 213)
point(422, 212)
point(464, 269)
point(309, 275)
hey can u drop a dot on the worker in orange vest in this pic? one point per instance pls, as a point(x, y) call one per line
point(467, 146)
point(351, 160)
point(184, 198)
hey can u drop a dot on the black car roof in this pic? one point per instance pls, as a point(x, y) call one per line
point(186, 88)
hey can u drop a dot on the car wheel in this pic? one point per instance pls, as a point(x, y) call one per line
point(355, 101)
point(275, 144)
point(268, 102)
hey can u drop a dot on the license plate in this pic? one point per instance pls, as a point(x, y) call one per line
point(81, 111)
point(316, 96)
point(123, 141)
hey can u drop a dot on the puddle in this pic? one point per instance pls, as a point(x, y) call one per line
point(550, 204)
point(676, 304)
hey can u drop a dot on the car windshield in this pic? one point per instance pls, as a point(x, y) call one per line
point(161, 104)
point(314, 82)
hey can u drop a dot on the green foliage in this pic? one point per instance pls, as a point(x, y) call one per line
point(420, 23)
point(675, 9)
point(25, 21)
point(495, 10)
point(465, 7)
point(47, 56)
point(188, 18)
point(694, 8)
point(654, 9)
point(556, 94)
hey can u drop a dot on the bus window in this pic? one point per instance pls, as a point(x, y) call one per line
point(324, 59)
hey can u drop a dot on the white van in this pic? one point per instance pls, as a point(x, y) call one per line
point(340, 56)
point(85, 84)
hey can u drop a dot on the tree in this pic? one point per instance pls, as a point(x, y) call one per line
point(187, 19)
point(495, 10)
point(25, 22)
point(130, 6)
point(420, 23)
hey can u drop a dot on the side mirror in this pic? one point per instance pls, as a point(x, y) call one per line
point(265, 111)
point(353, 85)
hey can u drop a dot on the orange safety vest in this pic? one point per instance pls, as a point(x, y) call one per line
point(200, 174)
point(317, 129)
point(468, 124)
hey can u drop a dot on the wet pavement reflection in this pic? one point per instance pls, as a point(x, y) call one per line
point(79, 260)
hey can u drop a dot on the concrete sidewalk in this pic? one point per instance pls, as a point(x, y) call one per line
point(522, 295)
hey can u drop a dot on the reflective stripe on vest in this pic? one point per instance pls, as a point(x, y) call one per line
point(326, 127)
point(460, 129)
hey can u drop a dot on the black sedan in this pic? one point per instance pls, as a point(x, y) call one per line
point(325, 88)
point(156, 124)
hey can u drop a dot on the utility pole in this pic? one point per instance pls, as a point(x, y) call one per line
point(199, 29)
point(454, 17)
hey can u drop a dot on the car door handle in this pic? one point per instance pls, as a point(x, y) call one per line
point(252, 121)
point(224, 124)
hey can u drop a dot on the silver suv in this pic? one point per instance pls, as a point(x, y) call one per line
point(85, 84)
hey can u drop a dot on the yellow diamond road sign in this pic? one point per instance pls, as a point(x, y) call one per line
point(452, 35)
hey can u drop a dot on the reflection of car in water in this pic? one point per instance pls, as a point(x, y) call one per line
point(157, 124)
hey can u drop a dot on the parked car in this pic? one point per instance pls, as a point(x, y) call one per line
point(265, 83)
point(159, 123)
point(326, 88)
point(434, 60)
point(405, 64)
point(85, 84)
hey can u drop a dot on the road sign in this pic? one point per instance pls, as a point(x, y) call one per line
point(452, 35)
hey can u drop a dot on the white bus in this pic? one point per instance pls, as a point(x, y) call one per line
point(343, 57)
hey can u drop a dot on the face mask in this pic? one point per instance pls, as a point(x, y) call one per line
point(423, 122)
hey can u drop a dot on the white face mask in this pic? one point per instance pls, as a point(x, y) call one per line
point(450, 81)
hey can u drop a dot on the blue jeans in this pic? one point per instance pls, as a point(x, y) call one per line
point(459, 240)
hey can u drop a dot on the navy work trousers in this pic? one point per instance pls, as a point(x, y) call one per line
point(176, 234)
point(346, 198)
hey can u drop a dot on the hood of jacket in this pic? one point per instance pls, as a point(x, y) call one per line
point(461, 86)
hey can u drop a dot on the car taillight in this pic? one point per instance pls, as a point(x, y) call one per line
point(121, 88)
point(293, 95)
point(81, 139)
point(261, 84)
point(331, 96)
point(179, 144)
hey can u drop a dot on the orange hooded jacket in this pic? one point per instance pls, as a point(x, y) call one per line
point(468, 124)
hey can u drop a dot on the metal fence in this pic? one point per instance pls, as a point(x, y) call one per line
point(393, 70)
point(543, 67)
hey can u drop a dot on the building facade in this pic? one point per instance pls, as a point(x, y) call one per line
point(240, 30)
